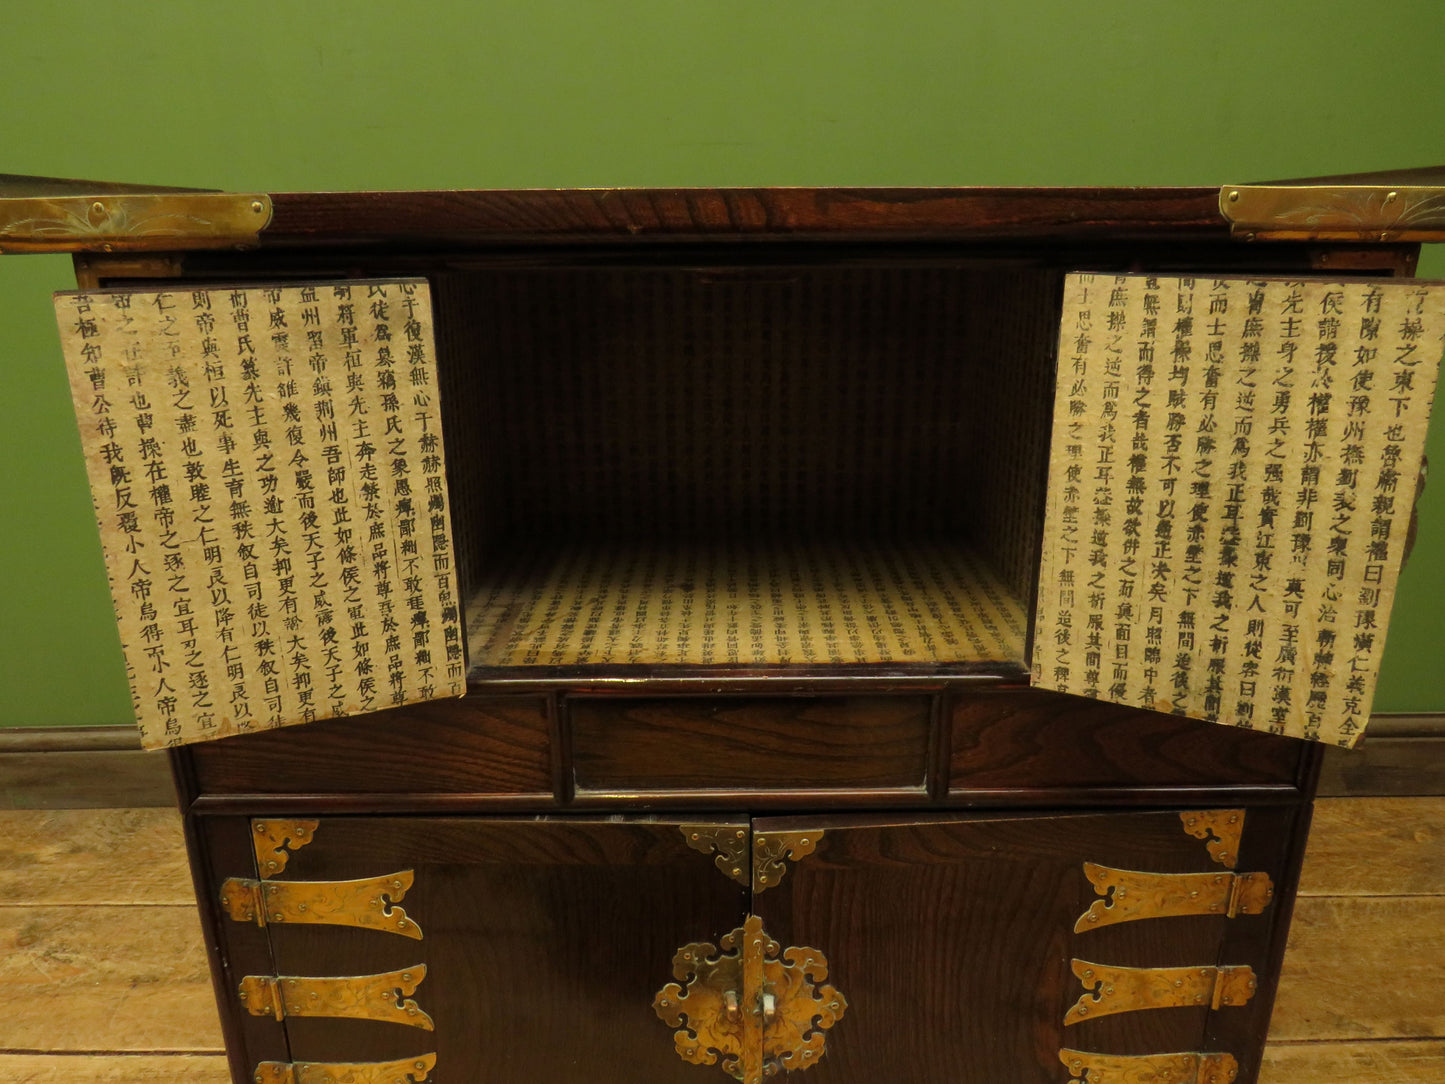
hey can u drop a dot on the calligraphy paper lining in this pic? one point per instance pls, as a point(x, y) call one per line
point(267, 472)
point(1233, 469)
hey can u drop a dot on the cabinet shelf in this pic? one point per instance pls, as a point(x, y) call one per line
point(691, 606)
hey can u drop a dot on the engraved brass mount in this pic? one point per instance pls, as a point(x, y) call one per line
point(130, 220)
point(1111, 990)
point(369, 903)
point(1221, 830)
point(386, 997)
point(1149, 1068)
point(1130, 895)
point(754, 1007)
point(276, 840)
point(407, 1071)
point(1334, 212)
point(771, 851)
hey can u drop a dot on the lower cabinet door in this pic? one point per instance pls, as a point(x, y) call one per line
point(997, 949)
point(480, 950)
point(993, 949)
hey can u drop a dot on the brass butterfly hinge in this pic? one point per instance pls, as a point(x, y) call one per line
point(385, 997)
point(1220, 829)
point(276, 840)
point(1089, 1068)
point(773, 850)
point(754, 1007)
point(1130, 895)
point(370, 903)
point(407, 1071)
point(1110, 990)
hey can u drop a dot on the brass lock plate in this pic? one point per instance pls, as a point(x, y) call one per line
point(750, 1005)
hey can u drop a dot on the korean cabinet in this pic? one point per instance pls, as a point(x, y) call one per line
point(865, 634)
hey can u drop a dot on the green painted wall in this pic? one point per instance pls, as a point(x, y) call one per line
point(272, 96)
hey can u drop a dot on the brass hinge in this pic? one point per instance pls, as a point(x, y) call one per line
point(1111, 990)
point(407, 1071)
point(271, 839)
point(755, 1007)
point(1221, 830)
point(132, 221)
point(1153, 1068)
point(1334, 212)
point(370, 903)
point(1130, 895)
point(384, 997)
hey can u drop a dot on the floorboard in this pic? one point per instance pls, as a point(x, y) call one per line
point(86, 856)
point(1376, 847)
point(113, 1069)
point(105, 978)
point(1354, 1063)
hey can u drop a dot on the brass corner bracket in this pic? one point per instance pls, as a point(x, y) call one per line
point(276, 840)
point(728, 841)
point(1221, 830)
point(1086, 1068)
point(1334, 212)
point(132, 221)
point(771, 851)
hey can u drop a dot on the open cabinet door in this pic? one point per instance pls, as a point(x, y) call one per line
point(1233, 469)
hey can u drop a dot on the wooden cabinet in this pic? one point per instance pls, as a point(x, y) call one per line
point(913, 845)
point(748, 507)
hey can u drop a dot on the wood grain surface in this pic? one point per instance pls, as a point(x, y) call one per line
point(1363, 968)
point(1376, 847)
point(113, 1069)
point(109, 856)
point(105, 978)
point(1355, 1063)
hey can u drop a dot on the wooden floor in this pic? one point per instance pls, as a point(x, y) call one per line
point(105, 980)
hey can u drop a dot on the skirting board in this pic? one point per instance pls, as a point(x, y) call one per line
point(99, 767)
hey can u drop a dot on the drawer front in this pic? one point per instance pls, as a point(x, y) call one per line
point(483, 746)
point(1020, 738)
point(752, 744)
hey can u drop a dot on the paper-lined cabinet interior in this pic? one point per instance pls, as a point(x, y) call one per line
point(686, 469)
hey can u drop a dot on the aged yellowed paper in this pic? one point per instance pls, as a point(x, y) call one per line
point(779, 604)
point(1233, 469)
point(267, 471)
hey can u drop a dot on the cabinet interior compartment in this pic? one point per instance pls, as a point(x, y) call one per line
point(704, 467)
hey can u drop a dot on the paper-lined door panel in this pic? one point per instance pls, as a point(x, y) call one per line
point(1233, 469)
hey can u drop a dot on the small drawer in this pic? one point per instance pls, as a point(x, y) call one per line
point(750, 744)
point(1020, 738)
point(485, 746)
